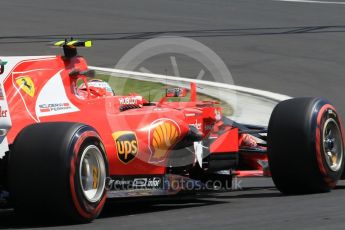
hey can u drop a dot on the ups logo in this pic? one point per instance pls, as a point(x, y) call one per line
point(126, 145)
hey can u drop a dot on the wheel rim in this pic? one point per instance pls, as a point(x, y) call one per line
point(92, 173)
point(332, 144)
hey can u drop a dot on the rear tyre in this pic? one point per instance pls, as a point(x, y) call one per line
point(58, 170)
point(305, 146)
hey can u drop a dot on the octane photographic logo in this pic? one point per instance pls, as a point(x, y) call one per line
point(170, 56)
point(156, 182)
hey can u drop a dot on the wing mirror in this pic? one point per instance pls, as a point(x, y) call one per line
point(87, 73)
point(176, 92)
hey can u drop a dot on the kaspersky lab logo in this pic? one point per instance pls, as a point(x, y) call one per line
point(126, 145)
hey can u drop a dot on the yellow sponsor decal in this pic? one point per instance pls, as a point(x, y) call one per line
point(27, 85)
point(126, 145)
point(164, 136)
point(95, 175)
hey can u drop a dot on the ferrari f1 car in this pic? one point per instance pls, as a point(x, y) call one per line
point(69, 143)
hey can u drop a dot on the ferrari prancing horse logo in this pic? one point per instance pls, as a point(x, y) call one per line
point(27, 85)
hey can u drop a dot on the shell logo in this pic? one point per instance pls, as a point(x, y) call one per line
point(164, 135)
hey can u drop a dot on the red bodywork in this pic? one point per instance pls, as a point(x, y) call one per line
point(137, 140)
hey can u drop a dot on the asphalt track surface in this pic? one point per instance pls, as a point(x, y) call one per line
point(292, 48)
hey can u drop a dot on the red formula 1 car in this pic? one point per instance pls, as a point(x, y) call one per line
point(68, 143)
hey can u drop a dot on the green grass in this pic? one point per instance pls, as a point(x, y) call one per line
point(153, 91)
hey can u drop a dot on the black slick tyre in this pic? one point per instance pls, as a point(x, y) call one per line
point(58, 170)
point(305, 146)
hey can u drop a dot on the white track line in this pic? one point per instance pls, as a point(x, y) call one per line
point(256, 92)
point(311, 1)
point(251, 106)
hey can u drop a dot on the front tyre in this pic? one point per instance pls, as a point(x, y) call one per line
point(305, 146)
point(58, 170)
